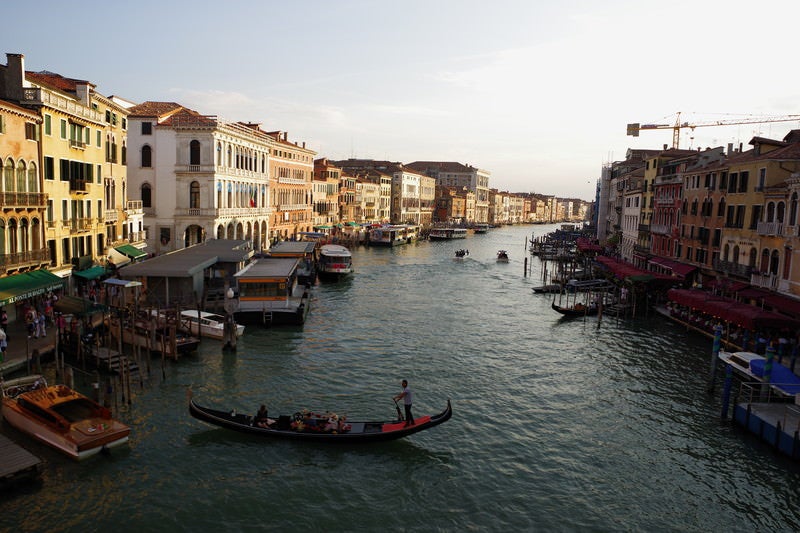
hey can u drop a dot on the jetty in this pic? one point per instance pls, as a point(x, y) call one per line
point(17, 464)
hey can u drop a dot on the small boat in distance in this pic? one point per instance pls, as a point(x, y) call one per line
point(577, 309)
point(320, 428)
point(335, 261)
point(461, 254)
point(446, 234)
point(502, 256)
point(480, 228)
point(206, 324)
point(61, 417)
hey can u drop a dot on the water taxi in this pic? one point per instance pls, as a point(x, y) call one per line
point(61, 417)
point(335, 261)
point(446, 234)
point(393, 235)
point(502, 256)
point(480, 228)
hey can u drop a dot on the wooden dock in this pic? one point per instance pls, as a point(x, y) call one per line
point(16, 463)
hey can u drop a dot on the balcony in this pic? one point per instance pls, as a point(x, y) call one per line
point(661, 229)
point(23, 199)
point(110, 215)
point(134, 207)
point(293, 207)
point(245, 212)
point(138, 236)
point(733, 269)
point(38, 96)
point(764, 280)
point(78, 225)
point(74, 143)
point(770, 228)
point(25, 259)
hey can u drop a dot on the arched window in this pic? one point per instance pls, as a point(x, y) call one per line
point(13, 243)
point(779, 217)
point(735, 258)
point(774, 260)
point(194, 152)
point(2, 236)
point(763, 265)
point(33, 178)
point(721, 209)
point(24, 235)
point(770, 212)
point(22, 176)
point(793, 210)
point(147, 157)
point(726, 253)
point(147, 195)
point(219, 154)
point(194, 195)
point(751, 261)
point(8, 175)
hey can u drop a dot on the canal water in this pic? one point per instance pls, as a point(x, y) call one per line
point(559, 424)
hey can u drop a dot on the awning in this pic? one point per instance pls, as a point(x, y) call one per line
point(680, 269)
point(729, 310)
point(91, 273)
point(27, 285)
point(72, 305)
point(324, 226)
point(131, 251)
point(118, 259)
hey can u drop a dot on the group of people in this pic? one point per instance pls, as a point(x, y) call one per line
point(330, 422)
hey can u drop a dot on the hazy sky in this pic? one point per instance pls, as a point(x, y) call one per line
point(537, 93)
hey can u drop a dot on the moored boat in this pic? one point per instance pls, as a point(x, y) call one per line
point(61, 417)
point(320, 428)
point(577, 309)
point(446, 234)
point(335, 261)
point(752, 366)
point(206, 324)
point(480, 228)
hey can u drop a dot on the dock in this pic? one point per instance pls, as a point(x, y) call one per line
point(16, 463)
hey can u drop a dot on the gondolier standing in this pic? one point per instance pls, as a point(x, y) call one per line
point(407, 397)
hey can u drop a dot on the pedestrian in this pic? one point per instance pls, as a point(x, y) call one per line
point(42, 329)
point(407, 397)
point(3, 345)
point(4, 320)
point(30, 322)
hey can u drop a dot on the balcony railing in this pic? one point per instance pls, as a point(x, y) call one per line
point(661, 229)
point(225, 212)
point(74, 143)
point(293, 207)
point(23, 199)
point(35, 95)
point(134, 207)
point(765, 280)
point(733, 269)
point(111, 215)
point(138, 236)
point(24, 259)
point(770, 228)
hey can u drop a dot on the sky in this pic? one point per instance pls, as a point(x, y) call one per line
point(537, 93)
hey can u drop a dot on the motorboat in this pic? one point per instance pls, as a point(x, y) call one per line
point(502, 256)
point(206, 324)
point(461, 254)
point(61, 417)
point(446, 234)
point(335, 261)
point(752, 366)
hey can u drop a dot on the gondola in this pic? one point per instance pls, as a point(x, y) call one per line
point(578, 309)
point(298, 426)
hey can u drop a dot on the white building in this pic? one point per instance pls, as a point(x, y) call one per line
point(197, 177)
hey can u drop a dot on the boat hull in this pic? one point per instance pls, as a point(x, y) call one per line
point(359, 431)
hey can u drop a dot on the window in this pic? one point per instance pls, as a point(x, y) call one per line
point(762, 179)
point(147, 128)
point(48, 125)
point(194, 152)
point(194, 195)
point(2, 124)
point(147, 199)
point(63, 129)
point(147, 156)
point(49, 168)
point(743, 180)
point(30, 131)
point(99, 138)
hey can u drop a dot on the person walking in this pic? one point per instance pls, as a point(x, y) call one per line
point(407, 396)
point(4, 320)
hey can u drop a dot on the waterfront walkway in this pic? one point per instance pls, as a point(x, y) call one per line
point(22, 351)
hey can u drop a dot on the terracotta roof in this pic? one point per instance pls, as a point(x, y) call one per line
point(153, 109)
point(439, 166)
point(55, 81)
point(187, 117)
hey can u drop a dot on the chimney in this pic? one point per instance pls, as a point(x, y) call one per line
point(665, 147)
point(14, 76)
point(730, 148)
point(285, 136)
point(740, 148)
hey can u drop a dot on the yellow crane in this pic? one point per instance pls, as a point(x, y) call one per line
point(635, 128)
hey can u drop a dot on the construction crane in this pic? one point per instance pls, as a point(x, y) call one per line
point(634, 128)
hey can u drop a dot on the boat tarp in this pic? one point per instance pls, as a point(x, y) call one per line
point(780, 376)
point(28, 284)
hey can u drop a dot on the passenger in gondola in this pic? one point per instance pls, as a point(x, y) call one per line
point(261, 419)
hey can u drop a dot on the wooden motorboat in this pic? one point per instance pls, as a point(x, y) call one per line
point(502, 256)
point(310, 427)
point(61, 417)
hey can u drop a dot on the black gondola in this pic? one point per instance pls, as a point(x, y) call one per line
point(578, 309)
point(287, 426)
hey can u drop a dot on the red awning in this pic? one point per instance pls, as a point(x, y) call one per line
point(729, 310)
point(680, 269)
point(726, 285)
point(623, 270)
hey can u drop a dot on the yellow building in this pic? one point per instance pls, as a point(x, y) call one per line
point(83, 135)
point(291, 169)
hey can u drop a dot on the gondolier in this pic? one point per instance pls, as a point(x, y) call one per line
point(408, 398)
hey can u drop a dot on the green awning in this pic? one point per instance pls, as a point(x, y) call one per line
point(27, 285)
point(322, 227)
point(354, 224)
point(91, 273)
point(131, 251)
point(72, 305)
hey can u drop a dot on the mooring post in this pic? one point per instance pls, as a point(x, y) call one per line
point(767, 373)
point(714, 356)
point(726, 391)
